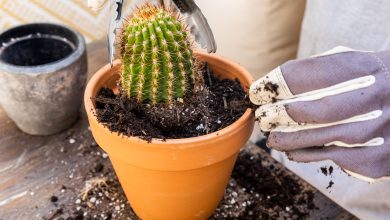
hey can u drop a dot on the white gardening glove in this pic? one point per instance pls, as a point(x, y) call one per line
point(335, 106)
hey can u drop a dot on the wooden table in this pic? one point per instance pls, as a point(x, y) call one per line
point(33, 168)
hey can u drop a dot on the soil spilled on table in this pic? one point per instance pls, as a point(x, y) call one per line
point(218, 105)
point(258, 189)
point(258, 192)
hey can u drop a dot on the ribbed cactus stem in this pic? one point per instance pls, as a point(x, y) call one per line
point(157, 58)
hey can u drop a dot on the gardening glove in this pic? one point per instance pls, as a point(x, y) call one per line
point(335, 106)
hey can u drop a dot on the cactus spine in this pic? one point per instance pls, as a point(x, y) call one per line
point(158, 65)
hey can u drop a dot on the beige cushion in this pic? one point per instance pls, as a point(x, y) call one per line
point(76, 14)
point(259, 34)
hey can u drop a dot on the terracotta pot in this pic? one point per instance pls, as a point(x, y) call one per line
point(176, 178)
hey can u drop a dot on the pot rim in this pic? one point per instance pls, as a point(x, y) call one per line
point(49, 67)
point(157, 142)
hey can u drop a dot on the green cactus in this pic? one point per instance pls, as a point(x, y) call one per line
point(158, 64)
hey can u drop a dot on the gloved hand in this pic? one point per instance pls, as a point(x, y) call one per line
point(335, 106)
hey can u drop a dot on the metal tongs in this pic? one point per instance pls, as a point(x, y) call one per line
point(197, 22)
point(115, 18)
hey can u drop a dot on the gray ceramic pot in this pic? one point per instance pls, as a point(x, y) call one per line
point(43, 71)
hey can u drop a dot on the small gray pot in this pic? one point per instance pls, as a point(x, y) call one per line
point(43, 71)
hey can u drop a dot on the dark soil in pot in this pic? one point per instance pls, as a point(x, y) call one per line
point(218, 105)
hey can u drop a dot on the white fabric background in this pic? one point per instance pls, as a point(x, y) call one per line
point(258, 34)
point(358, 24)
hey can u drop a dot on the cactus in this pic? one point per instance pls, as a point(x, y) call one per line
point(156, 53)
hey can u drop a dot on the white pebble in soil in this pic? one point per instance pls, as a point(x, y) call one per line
point(92, 200)
point(72, 141)
point(104, 155)
point(200, 127)
point(78, 201)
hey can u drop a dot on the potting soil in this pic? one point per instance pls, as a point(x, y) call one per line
point(218, 105)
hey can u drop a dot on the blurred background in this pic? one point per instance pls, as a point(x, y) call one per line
point(258, 34)
point(74, 13)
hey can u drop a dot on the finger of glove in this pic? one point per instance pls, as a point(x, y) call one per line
point(334, 108)
point(353, 134)
point(321, 72)
point(331, 109)
point(300, 76)
point(269, 88)
point(372, 162)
